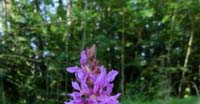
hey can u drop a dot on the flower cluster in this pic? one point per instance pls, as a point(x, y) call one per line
point(93, 84)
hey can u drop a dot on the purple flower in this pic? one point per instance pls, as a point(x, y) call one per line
point(93, 84)
point(83, 58)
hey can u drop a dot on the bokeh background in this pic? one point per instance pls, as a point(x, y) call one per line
point(154, 44)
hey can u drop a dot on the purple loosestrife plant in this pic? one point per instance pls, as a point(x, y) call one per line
point(93, 84)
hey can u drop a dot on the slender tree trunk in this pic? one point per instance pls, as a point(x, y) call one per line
point(69, 7)
point(186, 61)
point(2, 14)
point(85, 27)
point(4, 10)
point(41, 46)
point(7, 6)
point(122, 55)
point(167, 77)
point(189, 49)
point(122, 65)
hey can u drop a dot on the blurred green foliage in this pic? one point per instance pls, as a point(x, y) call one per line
point(41, 38)
point(190, 100)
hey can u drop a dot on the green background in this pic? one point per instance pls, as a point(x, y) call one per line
point(154, 44)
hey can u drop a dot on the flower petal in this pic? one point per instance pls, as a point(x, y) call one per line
point(73, 69)
point(76, 86)
point(109, 89)
point(83, 58)
point(99, 81)
point(111, 76)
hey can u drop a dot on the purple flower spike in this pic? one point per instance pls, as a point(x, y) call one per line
point(93, 84)
point(83, 58)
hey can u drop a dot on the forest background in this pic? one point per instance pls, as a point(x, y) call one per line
point(154, 44)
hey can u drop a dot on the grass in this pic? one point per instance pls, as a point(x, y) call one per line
point(189, 100)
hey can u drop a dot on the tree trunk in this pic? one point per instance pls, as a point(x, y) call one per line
point(4, 10)
point(42, 65)
point(122, 55)
point(67, 35)
point(85, 27)
point(186, 61)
